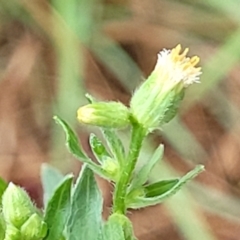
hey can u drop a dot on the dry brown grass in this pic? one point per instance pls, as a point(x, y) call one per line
point(29, 89)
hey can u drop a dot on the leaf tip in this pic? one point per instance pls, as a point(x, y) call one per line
point(200, 168)
point(56, 119)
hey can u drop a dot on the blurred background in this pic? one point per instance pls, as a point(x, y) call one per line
point(53, 52)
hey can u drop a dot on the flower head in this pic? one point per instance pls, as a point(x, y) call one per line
point(177, 67)
point(156, 101)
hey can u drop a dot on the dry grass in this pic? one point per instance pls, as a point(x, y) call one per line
point(51, 53)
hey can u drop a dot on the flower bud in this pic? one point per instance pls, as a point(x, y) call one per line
point(104, 114)
point(12, 233)
point(17, 206)
point(34, 228)
point(156, 101)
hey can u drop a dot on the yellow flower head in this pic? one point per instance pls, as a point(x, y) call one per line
point(156, 101)
point(176, 67)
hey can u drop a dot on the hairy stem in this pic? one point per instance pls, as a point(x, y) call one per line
point(119, 195)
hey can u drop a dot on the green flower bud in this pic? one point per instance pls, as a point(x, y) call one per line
point(111, 167)
point(17, 205)
point(104, 114)
point(12, 233)
point(34, 228)
point(156, 101)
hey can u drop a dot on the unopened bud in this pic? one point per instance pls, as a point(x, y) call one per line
point(17, 205)
point(12, 233)
point(34, 228)
point(104, 114)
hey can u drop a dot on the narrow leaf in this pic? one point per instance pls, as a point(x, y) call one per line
point(98, 149)
point(159, 188)
point(140, 202)
point(58, 209)
point(3, 186)
point(115, 145)
point(74, 147)
point(85, 221)
point(142, 176)
point(50, 178)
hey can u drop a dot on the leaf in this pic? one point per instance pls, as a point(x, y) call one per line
point(71, 140)
point(141, 201)
point(50, 178)
point(58, 209)
point(159, 188)
point(115, 145)
point(142, 176)
point(98, 149)
point(85, 221)
point(74, 147)
point(3, 186)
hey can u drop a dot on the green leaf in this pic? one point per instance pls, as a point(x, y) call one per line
point(118, 227)
point(115, 145)
point(98, 149)
point(141, 201)
point(85, 221)
point(74, 147)
point(142, 176)
point(159, 188)
point(71, 140)
point(50, 178)
point(58, 209)
point(3, 186)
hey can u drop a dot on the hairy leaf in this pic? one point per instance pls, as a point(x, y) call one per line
point(58, 209)
point(142, 176)
point(85, 221)
point(141, 201)
point(115, 145)
point(50, 178)
point(74, 147)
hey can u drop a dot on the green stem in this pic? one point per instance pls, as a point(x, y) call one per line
point(138, 134)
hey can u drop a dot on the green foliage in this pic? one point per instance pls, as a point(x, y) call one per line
point(50, 178)
point(85, 221)
point(115, 145)
point(3, 186)
point(76, 150)
point(158, 192)
point(58, 209)
point(142, 176)
point(74, 211)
